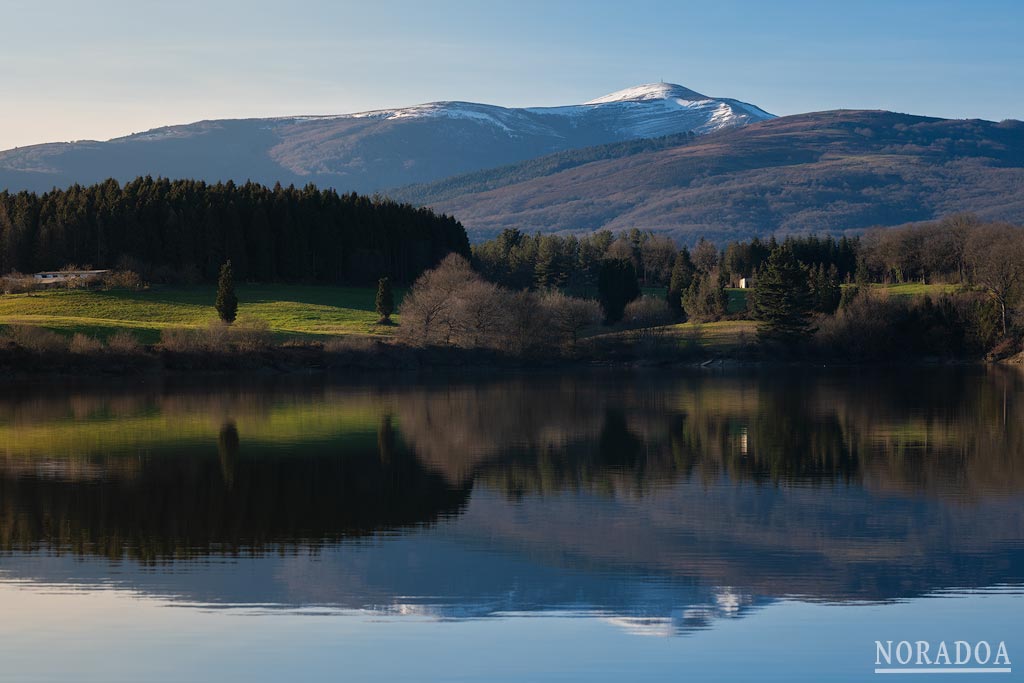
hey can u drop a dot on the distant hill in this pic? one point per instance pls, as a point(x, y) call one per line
point(374, 150)
point(828, 171)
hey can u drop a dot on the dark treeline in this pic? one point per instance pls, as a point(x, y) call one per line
point(801, 288)
point(936, 252)
point(522, 261)
point(183, 230)
point(694, 279)
point(744, 259)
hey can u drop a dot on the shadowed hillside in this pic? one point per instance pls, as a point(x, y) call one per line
point(827, 171)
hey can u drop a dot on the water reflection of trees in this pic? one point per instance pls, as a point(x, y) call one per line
point(219, 499)
point(957, 434)
point(368, 459)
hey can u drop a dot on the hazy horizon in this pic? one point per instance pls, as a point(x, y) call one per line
point(108, 70)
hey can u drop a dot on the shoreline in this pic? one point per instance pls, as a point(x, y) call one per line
point(390, 359)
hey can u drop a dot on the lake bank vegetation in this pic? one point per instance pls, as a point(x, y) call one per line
point(951, 290)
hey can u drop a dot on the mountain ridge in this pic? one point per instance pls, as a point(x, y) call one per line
point(820, 172)
point(373, 150)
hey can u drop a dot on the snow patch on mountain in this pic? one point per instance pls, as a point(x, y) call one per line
point(373, 150)
point(646, 110)
point(650, 91)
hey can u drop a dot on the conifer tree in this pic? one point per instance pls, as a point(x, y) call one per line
point(825, 288)
point(385, 304)
point(705, 299)
point(227, 302)
point(547, 273)
point(782, 301)
point(679, 281)
point(183, 230)
point(616, 286)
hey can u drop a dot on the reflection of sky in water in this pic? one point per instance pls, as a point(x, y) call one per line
point(708, 529)
point(108, 635)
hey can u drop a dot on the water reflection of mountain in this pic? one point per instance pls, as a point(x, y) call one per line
point(422, 575)
point(634, 497)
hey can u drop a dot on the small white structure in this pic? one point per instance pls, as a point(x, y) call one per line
point(50, 277)
point(746, 283)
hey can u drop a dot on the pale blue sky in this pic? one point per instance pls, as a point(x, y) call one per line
point(76, 70)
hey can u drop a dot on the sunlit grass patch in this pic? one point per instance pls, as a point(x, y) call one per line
point(290, 310)
point(917, 289)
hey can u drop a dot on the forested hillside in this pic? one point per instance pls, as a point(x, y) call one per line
point(183, 230)
point(809, 173)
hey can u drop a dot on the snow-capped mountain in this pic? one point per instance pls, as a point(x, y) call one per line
point(377, 149)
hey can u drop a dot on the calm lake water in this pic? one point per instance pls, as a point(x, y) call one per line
point(599, 527)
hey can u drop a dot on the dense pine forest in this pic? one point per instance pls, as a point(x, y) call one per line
point(183, 230)
point(573, 263)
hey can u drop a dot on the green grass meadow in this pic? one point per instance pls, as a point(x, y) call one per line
point(290, 310)
point(917, 289)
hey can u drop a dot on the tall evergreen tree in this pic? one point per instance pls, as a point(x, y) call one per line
point(548, 270)
point(617, 285)
point(782, 301)
point(227, 302)
point(680, 280)
point(385, 304)
point(705, 299)
point(825, 289)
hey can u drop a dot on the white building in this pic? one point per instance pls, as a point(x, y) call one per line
point(48, 277)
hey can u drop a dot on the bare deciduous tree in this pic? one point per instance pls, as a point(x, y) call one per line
point(427, 311)
point(649, 316)
point(658, 254)
point(527, 326)
point(570, 316)
point(623, 249)
point(994, 254)
point(646, 312)
point(453, 305)
point(959, 227)
point(479, 313)
point(704, 256)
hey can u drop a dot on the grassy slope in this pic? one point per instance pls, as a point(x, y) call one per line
point(725, 335)
point(917, 289)
point(292, 310)
point(718, 337)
